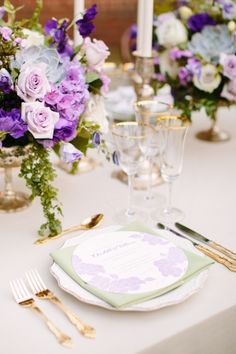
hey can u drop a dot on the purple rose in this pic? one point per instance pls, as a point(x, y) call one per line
point(40, 119)
point(32, 82)
point(229, 65)
point(197, 22)
point(69, 153)
point(12, 123)
point(229, 90)
point(6, 33)
point(5, 81)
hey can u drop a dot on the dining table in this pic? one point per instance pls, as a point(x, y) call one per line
point(203, 323)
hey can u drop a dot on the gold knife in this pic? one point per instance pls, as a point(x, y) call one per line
point(207, 241)
point(222, 260)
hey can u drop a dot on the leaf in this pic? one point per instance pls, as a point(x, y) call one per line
point(91, 76)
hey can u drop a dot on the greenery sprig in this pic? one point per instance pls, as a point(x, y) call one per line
point(38, 173)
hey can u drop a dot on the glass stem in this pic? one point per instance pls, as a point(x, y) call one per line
point(8, 182)
point(169, 198)
point(130, 211)
point(149, 186)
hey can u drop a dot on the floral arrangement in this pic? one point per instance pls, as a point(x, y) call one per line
point(47, 87)
point(196, 55)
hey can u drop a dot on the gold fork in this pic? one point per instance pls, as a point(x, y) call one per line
point(23, 297)
point(40, 290)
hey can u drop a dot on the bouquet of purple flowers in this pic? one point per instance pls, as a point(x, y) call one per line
point(46, 85)
point(196, 55)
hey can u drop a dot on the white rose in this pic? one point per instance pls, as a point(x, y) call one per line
point(171, 33)
point(96, 53)
point(96, 112)
point(167, 65)
point(32, 38)
point(208, 80)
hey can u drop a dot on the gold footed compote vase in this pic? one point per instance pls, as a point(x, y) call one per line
point(215, 134)
point(11, 200)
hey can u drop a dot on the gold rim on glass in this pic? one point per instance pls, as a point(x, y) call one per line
point(164, 118)
point(128, 136)
point(141, 103)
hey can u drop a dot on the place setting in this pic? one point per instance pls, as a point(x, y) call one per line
point(144, 232)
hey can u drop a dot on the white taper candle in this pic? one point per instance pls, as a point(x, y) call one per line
point(145, 24)
point(78, 10)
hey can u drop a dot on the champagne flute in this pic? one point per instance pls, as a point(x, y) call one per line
point(174, 129)
point(130, 140)
point(148, 112)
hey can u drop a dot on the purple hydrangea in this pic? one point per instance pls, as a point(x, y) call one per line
point(194, 66)
point(12, 123)
point(197, 22)
point(69, 99)
point(85, 25)
point(185, 76)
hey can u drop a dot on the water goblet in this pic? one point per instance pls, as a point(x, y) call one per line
point(130, 140)
point(148, 112)
point(174, 130)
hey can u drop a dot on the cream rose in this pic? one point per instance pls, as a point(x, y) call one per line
point(171, 33)
point(96, 112)
point(208, 80)
point(96, 53)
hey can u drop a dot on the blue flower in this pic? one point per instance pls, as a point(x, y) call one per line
point(197, 22)
point(85, 25)
point(96, 139)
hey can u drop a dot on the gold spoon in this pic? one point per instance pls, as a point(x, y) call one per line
point(87, 224)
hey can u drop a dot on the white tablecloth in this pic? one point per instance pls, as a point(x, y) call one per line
point(205, 323)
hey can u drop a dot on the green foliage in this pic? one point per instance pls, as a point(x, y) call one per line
point(38, 173)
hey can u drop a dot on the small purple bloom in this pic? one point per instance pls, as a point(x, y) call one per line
point(65, 130)
point(69, 153)
point(85, 25)
point(184, 76)
point(5, 81)
point(197, 22)
point(133, 31)
point(96, 139)
point(6, 33)
point(115, 158)
point(194, 66)
point(176, 53)
point(228, 8)
point(50, 27)
point(2, 12)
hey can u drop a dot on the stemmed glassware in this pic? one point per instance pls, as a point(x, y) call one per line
point(174, 130)
point(148, 112)
point(131, 141)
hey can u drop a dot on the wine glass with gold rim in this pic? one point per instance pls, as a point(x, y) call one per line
point(173, 129)
point(131, 142)
point(148, 112)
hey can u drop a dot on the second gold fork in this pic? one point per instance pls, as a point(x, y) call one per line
point(41, 291)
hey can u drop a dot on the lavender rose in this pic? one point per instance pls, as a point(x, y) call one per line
point(32, 83)
point(96, 53)
point(40, 119)
point(229, 65)
point(69, 153)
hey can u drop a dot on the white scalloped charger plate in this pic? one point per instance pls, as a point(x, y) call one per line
point(171, 298)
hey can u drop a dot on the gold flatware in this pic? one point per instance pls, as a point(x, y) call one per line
point(215, 256)
point(23, 297)
point(41, 291)
point(88, 223)
point(196, 235)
